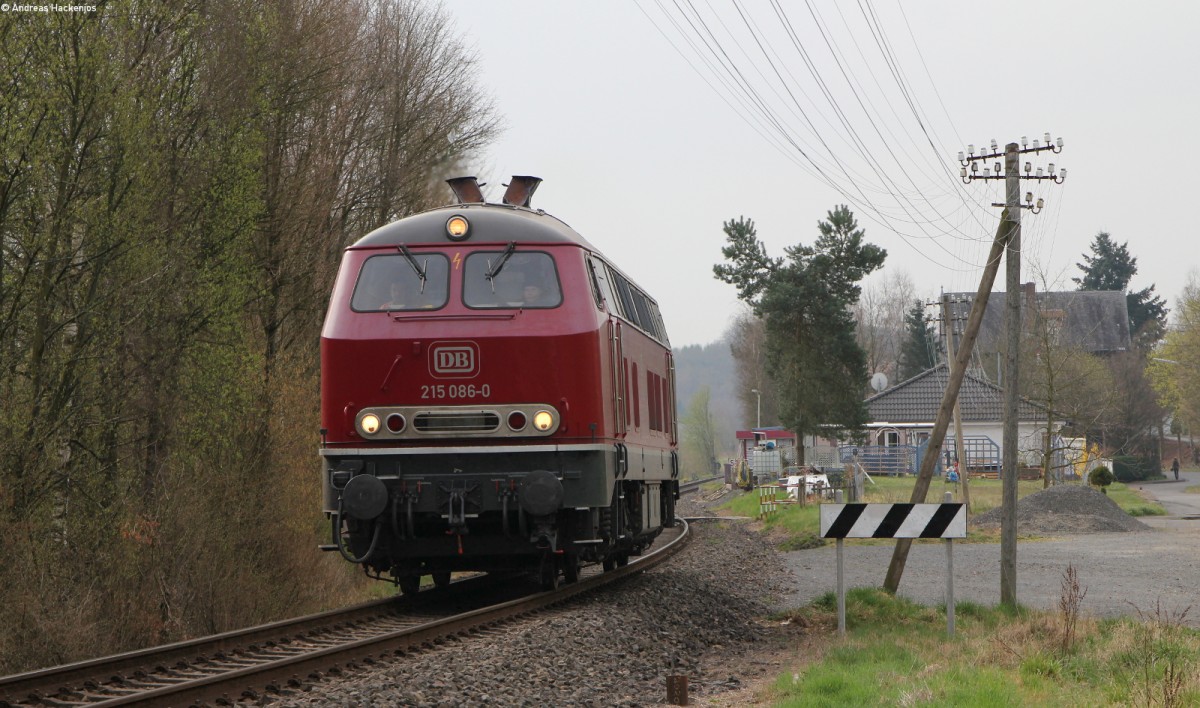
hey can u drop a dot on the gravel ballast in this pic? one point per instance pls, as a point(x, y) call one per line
point(698, 616)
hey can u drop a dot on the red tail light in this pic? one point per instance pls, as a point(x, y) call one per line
point(395, 423)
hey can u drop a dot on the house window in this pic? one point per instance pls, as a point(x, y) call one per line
point(891, 438)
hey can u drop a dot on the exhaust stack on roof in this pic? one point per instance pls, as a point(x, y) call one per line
point(466, 190)
point(521, 189)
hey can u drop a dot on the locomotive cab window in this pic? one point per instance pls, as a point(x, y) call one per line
point(511, 278)
point(402, 281)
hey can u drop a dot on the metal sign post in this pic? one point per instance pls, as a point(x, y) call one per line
point(950, 577)
point(842, 521)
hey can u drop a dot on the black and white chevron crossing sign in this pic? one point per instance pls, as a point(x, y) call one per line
point(894, 520)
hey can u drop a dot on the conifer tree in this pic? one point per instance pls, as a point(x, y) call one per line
point(917, 351)
point(806, 299)
point(1110, 267)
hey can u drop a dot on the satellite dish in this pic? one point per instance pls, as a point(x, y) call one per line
point(879, 381)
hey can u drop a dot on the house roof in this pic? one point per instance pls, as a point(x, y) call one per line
point(918, 399)
point(1095, 321)
point(766, 434)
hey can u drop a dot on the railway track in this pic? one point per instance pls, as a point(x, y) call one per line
point(694, 485)
point(283, 656)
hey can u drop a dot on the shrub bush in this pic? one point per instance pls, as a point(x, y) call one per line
point(1131, 468)
point(1101, 477)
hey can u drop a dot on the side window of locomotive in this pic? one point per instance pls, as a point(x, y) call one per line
point(628, 301)
point(595, 277)
point(643, 309)
point(615, 304)
point(521, 279)
point(658, 320)
point(603, 285)
point(391, 282)
point(624, 293)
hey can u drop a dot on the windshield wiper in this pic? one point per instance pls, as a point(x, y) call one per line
point(494, 270)
point(412, 261)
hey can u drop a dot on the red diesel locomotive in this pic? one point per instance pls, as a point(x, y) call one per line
point(495, 395)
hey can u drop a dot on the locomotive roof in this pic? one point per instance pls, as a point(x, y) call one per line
point(490, 223)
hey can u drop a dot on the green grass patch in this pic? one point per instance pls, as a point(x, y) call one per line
point(1148, 509)
point(896, 653)
point(1133, 501)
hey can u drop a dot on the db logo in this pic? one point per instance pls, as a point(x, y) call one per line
point(453, 360)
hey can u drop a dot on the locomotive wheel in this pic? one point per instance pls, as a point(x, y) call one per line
point(622, 560)
point(441, 578)
point(549, 573)
point(571, 567)
point(409, 584)
point(610, 563)
point(669, 510)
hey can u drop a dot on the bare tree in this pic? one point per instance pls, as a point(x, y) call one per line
point(177, 182)
point(1069, 383)
point(879, 315)
point(747, 337)
point(699, 436)
point(1174, 367)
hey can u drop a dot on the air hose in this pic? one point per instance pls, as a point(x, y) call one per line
point(341, 546)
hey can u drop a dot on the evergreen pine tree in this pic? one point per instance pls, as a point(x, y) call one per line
point(917, 351)
point(805, 299)
point(1110, 267)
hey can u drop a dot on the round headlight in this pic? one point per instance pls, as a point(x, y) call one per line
point(369, 424)
point(395, 423)
point(516, 421)
point(543, 420)
point(457, 227)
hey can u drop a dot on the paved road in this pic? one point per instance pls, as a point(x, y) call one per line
point(1123, 572)
point(1183, 509)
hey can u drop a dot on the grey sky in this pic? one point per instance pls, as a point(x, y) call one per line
point(647, 151)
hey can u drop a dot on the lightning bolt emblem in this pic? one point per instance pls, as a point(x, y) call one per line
point(457, 261)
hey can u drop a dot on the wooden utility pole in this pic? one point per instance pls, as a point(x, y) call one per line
point(1012, 220)
point(1012, 301)
point(957, 369)
point(1007, 238)
point(959, 449)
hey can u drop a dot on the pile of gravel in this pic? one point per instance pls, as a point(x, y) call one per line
point(1066, 508)
point(696, 617)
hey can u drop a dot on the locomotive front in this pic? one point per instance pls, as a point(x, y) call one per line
point(467, 400)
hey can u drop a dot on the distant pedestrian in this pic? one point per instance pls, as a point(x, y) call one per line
point(1175, 468)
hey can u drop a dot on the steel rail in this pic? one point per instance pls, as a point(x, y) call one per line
point(694, 485)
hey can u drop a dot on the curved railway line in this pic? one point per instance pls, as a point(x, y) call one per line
point(277, 658)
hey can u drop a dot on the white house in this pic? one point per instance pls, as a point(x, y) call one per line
point(905, 414)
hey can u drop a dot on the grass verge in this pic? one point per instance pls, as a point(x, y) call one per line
point(896, 653)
